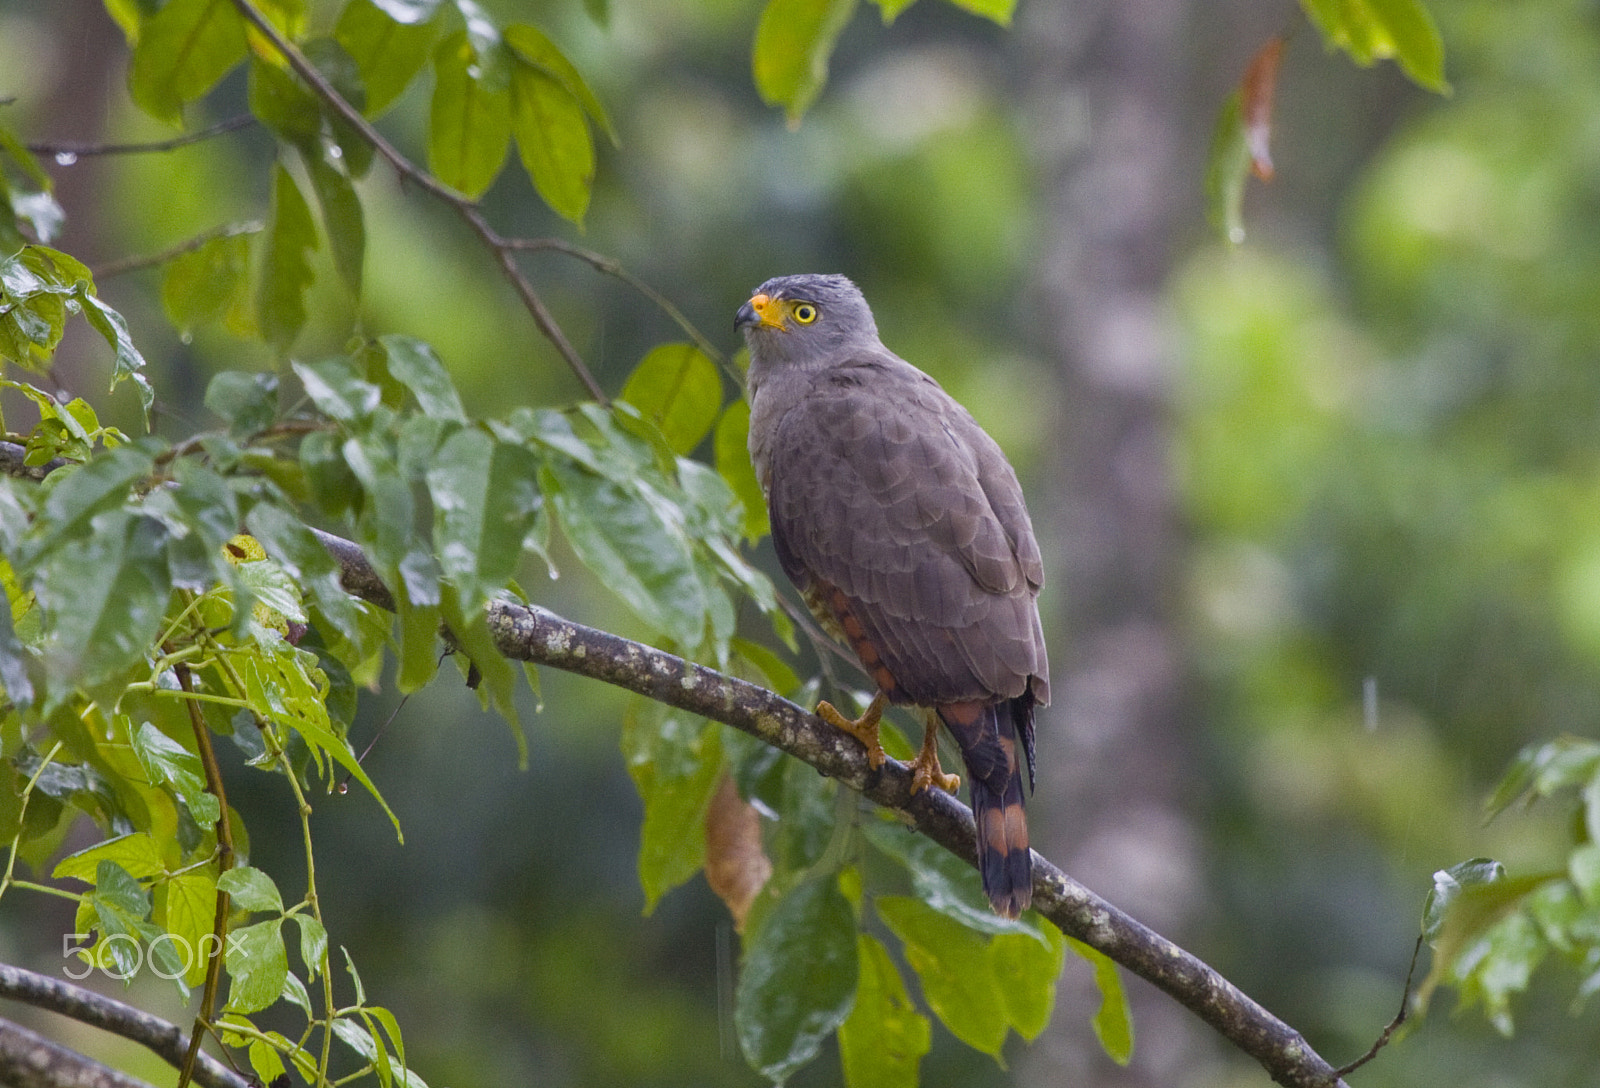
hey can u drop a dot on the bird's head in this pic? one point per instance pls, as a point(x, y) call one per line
point(806, 320)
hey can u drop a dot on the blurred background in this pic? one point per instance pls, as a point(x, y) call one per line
point(1321, 513)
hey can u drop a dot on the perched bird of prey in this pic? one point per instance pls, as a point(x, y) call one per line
point(903, 527)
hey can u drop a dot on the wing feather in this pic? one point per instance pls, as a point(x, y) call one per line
point(882, 486)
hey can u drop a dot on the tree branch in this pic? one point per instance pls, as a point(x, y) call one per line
point(531, 633)
point(166, 1040)
point(409, 171)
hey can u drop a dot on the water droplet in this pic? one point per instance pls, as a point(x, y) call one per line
point(335, 151)
point(66, 158)
point(344, 787)
point(186, 336)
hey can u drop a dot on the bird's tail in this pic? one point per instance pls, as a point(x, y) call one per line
point(990, 736)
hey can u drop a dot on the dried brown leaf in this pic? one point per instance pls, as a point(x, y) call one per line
point(736, 866)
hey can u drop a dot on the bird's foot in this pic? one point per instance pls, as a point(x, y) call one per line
point(864, 728)
point(925, 769)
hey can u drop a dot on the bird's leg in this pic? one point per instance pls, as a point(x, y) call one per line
point(925, 769)
point(864, 728)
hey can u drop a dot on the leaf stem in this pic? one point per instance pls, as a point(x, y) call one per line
point(219, 928)
point(16, 840)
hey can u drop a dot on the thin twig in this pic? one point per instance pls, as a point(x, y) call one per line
point(610, 266)
point(1399, 1017)
point(189, 245)
point(409, 171)
point(85, 150)
point(219, 928)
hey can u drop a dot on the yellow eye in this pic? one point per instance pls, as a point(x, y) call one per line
point(805, 313)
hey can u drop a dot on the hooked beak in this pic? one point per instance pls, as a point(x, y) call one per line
point(762, 310)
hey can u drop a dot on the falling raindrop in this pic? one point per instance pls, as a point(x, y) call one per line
point(66, 158)
point(1369, 702)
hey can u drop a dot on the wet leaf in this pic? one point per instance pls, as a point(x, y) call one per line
point(798, 979)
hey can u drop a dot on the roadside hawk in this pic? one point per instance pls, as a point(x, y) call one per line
point(904, 528)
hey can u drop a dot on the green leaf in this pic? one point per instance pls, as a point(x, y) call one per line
point(186, 905)
point(78, 495)
point(794, 40)
point(388, 50)
point(183, 50)
point(676, 387)
point(206, 284)
point(553, 140)
point(419, 645)
point(136, 854)
point(417, 366)
point(675, 761)
point(485, 494)
point(958, 980)
point(302, 555)
point(882, 1041)
point(798, 980)
point(731, 447)
point(129, 364)
point(342, 217)
point(251, 889)
point(284, 686)
point(247, 402)
point(470, 126)
point(1227, 170)
point(282, 102)
point(1372, 30)
point(286, 264)
point(104, 595)
point(337, 391)
point(941, 880)
point(170, 764)
point(997, 11)
point(1027, 970)
point(1463, 920)
point(313, 943)
point(258, 964)
point(120, 907)
point(1113, 1020)
point(531, 45)
point(646, 561)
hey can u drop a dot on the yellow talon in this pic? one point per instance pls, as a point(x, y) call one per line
point(864, 728)
point(925, 769)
